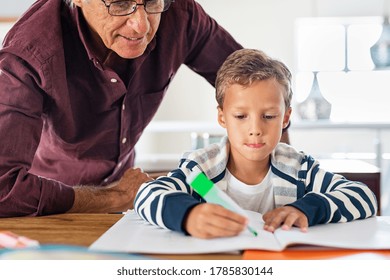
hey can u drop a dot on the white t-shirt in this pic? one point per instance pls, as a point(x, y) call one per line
point(258, 198)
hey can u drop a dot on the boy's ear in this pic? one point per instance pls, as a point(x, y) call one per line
point(221, 118)
point(286, 118)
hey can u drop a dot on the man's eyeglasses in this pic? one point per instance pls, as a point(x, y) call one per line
point(127, 7)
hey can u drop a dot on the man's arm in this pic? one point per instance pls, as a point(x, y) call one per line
point(209, 43)
point(21, 104)
point(117, 197)
point(22, 192)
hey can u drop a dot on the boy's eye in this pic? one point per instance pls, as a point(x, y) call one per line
point(240, 117)
point(269, 117)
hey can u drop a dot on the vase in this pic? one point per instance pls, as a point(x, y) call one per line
point(380, 51)
point(315, 106)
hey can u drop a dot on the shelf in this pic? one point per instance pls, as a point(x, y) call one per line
point(193, 126)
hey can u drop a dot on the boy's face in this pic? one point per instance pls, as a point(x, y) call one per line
point(254, 118)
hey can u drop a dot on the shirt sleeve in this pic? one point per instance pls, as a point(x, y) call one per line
point(331, 198)
point(166, 201)
point(21, 109)
point(210, 43)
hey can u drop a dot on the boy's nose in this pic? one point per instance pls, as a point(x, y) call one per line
point(254, 133)
point(255, 128)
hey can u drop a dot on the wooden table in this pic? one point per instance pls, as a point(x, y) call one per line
point(65, 229)
point(84, 229)
point(81, 230)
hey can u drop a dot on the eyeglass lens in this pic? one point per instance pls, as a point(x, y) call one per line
point(128, 7)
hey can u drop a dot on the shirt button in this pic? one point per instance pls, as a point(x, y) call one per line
point(119, 165)
point(113, 80)
point(123, 107)
point(105, 180)
point(124, 140)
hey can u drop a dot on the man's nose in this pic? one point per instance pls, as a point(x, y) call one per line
point(139, 20)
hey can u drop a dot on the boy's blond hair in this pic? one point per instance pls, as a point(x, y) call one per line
point(246, 66)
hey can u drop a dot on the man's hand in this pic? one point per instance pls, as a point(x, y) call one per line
point(116, 197)
point(286, 217)
point(129, 184)
point(208, 220)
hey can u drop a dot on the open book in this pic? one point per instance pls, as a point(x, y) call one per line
point(133, 235)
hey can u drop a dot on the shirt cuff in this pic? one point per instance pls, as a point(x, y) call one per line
point(56, 198)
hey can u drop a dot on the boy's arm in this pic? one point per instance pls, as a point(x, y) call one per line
point(332, 198)
point(166, 201)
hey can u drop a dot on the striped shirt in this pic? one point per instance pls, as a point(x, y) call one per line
point(297, 181)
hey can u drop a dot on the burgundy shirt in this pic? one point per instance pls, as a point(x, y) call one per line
point(67, 120)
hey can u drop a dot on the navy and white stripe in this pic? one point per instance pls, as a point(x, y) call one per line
point(297, 179)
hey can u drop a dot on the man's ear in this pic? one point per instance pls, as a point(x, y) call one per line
point(221, 117)
point(286, 118)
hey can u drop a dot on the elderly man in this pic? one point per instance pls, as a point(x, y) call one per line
point(79, 82)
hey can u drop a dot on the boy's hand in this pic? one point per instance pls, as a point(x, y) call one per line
point(286, 217)
point(209, 220)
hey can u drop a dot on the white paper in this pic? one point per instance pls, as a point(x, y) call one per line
point(133, 235)
point(372, 233)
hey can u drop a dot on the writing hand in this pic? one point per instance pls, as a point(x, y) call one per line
point(209, 220)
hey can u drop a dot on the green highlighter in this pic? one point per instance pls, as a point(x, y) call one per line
point(206, 189)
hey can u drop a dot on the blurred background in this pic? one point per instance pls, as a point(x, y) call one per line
point(338, 53)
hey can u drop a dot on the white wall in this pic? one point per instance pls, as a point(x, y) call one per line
point(264, 24)
point(14, 8)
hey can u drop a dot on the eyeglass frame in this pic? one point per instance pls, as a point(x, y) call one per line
point(144, 2)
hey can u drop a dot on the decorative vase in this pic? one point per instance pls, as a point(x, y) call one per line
point(380, 51)
point(315, 106)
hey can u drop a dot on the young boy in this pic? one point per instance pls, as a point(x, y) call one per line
point(261, 174)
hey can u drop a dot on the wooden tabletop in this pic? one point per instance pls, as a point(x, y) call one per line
point(64, 229)
point(81, 230)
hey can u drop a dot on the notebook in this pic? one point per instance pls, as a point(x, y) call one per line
point(131, 234)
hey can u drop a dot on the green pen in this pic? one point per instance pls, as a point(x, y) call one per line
point(206, 189)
